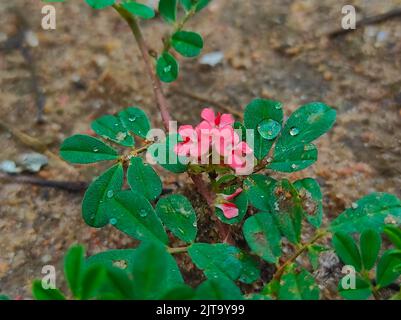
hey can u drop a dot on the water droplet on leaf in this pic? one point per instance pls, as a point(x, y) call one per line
point(294, 131)
point(354, 205)
point(110, 194)
point(269, 129)
point(113, 221)
point(143, 213)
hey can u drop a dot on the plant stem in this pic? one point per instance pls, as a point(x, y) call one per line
point(156, 84)
point(177, 250)
point(209, 196)
point(375, 293)
point(178, 27)
point(164, 106)
point(142, 149)
point(279, 272)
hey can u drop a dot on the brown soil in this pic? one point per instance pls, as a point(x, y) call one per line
point(276, 50)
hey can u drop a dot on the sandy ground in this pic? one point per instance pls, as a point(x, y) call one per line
point(90, 66)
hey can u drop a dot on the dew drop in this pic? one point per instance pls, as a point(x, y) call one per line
point(132, 119)
point(294, 131)
point(113, 221)
point(354, 205)
point(167, 69)
point(278, 106)
point(294, 166)
point(143, 213)
point(95, 149)
point(110, 194)
point(269, 129)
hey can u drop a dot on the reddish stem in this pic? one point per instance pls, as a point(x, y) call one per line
point(163, 105)
point(156, 84)
point(203, 189)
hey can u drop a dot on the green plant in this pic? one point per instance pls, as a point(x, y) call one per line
point(274, 213)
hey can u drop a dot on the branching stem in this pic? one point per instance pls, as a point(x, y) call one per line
point(279, 272)
point(156, 84)
point(163, 105)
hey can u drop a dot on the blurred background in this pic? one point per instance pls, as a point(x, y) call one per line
point(54, 82)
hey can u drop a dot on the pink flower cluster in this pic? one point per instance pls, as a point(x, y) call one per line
point(214, 134)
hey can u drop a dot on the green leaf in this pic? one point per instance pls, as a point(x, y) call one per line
point(110, 127)
point(260, 110)
point(119, 258)
point(168, 10)
point(306, 124)
point(150, 270)
point(250, 271)
point(86, 149)
point(182, 292)
point(241, 201)
point(256, 115)
point(139, 9)
point(143, 179)
point(347, 250)
point(285, 206)
point(370, 243)
point(386, 272)
point(98, 192)
point(177, 214)
point(74, 269)
point(124, 259)
point(370, 212)
point(314, 254)
point(167, 67)
point(362, 290)
point(216, 260)
point(135, 120)
point(39, 293)
point(258, 189)
point(294, 159)
point(117, 285)
point(100, 4)
point(188, 44)
point(293, 150)
point(132, 214)
point(394, 234)
point(93, 280)
point(197, 4)
point(164, 155)
point(281, 199)
point(301, 286)
point(311, 199)
point(218, 289)
point(263, 236)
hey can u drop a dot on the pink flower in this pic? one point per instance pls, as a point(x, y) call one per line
point(195, 142)
point(238, 155)
point(230, 210)
point(228, 144)
point(216, 121)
